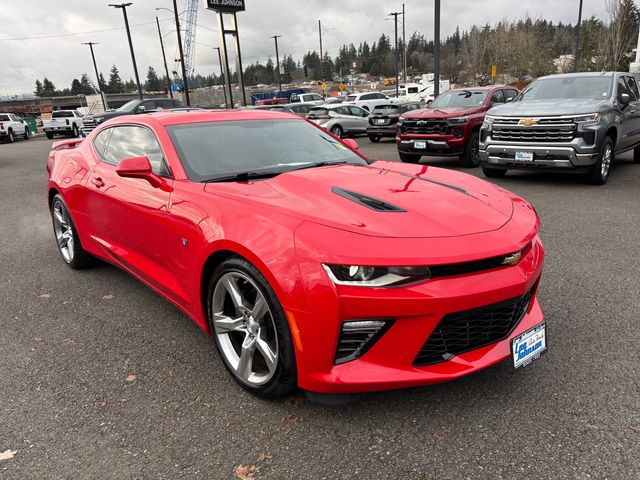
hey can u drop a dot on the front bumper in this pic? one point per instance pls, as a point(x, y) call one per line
point(437, 145)
point(387, 131)
point(65, 129)
point(416, 311)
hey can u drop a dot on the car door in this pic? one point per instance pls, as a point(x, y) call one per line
point(18, 125)
point(626, 127)
point(130, 216)
point(497, 98)
point(360, 118)
point(633, 111)
point(344, 118)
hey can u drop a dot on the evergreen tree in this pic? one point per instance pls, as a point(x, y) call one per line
point(115, 82)
point(76, 87)
point(85, 85)
point(102, 84)
point(155, 84)
point(39, 89)
point(48, 88)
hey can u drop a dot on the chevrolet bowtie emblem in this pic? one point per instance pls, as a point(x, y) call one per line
point(527, 122)
point(512, 259)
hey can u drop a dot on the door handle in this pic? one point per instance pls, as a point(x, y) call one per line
point(98, 182)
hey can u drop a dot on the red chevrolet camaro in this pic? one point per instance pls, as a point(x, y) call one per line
point(310, 265)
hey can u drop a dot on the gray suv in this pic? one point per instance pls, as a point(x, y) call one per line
point(571, 122)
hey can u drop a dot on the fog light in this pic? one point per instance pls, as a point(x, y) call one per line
point(358, 336)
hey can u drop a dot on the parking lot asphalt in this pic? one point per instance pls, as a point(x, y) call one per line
point(101, 378)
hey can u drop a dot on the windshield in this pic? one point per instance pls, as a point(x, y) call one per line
point(385, 109)
point(4, 118)
point(219, 149)
point(583, 88)
point(351, 98)
point(63, 114)
point(127, 106)
point(460, 98)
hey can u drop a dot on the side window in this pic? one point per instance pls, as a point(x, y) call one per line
point(133, 141)
point(623, 88)
point(149, 105)
point(497, 97)
point(342, 110)
point(510, 94)
point(358, 112)
point(633, 87)
point(380, 96)
point(101, 141)
point(368, 96)
point(316, 97)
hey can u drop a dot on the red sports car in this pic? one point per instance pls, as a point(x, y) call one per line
point(310, 265)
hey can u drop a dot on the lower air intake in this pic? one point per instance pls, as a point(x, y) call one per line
point(358, 336)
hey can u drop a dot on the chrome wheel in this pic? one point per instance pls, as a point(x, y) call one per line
point(63, 230)
point(605, 164)
point(244, 328)
point(475, 151)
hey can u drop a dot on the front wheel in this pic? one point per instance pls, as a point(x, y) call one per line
point(10, 137)
point(27, 135)
point(250, 329)
point(409, 157)
point(67, 237)
point(471, 155)
point(600, 170)
point(49, 135)
point(337, 131)
point(74, 132)
point(493, 172)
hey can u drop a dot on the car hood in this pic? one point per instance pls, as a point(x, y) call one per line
point(445, 112)
point(431, 202)
point(538, 108)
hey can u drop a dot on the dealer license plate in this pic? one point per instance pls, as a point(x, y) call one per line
point(419, 144)
point(529, 346)
point(524, 156)
point(380, 121)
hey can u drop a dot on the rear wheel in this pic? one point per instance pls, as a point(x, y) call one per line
point(471, 155)
point(250, 329)
point(10, 137)
point(49, 135)
point(409, 157)
point(337, 131)
point(67, 237)
point(26, 135)
point(493, 172)
point(74, 132)
point(374, 138)
point(599, 173)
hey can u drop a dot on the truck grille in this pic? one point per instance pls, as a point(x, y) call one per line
point(89, 125)
point(425, 127)
point(472, 329)
point(545, 129)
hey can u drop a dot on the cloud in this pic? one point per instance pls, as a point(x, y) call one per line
point(62, 59)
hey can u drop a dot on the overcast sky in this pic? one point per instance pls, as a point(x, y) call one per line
point(63, 58)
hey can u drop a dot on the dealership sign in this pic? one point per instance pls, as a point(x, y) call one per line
point(225, 6)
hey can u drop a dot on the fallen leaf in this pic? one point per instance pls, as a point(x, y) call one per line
point(9, 454)
point(107, 297)
point(208, 405)
point(160, 429)
point(263, 433)
point(635, 429)
point(593, 427)
point(289, 418)
point(37, 339)
point(44, 295)
point(264, 457)
point(131, 378)
point(437, 437)
point(103, 403)
point(243, 472)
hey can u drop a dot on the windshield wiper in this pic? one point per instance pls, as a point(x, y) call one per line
point(318, 164)
point(242, 177)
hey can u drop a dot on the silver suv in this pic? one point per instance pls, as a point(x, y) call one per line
point(572, 122)
point(341, 120)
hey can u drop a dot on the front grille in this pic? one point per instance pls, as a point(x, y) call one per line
point(89, 126)
point(472, 329)
point(425, 127)
point(531, 134)
point(478, 265)
point(358, 336)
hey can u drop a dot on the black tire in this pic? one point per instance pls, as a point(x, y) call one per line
point(49, 135)
point(80, 258)
point(493, 172)
point(409, 157)
point(285, 376)
point(74, 131)
point(600, 171)
point(636, 154)
point(27, 135)
point(374, 138)
point(10, 137)
point(471, 156)
point(337, 131)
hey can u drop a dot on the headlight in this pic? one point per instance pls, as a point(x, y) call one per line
point(489, 119)
point(400, 121)
point(367, 276)
point(458, 120)
point(589, 118)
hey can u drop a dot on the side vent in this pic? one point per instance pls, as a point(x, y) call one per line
point(367, 201)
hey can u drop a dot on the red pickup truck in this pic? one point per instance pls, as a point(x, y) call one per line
point(451, 124)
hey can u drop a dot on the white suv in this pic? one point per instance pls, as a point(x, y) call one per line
point(368, 101)
point(66, 122)
point(311, 98)
point(12, 126)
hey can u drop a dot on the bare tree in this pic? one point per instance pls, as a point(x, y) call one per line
point(621, 35)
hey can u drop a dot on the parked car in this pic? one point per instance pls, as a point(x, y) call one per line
point(451, 124)
point(566, 123)
point(368, 100)
point(301, 109)
point(383, 121)
point(12, 126)
point(133, 107)
point(334, 100)
point(63, 122)
point(312, 98)
point(341, 120)
point(311, 266)
point(272, 101)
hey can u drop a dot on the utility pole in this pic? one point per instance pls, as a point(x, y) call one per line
point(575, 58)
point(123, 7)
point(185, 80)
point(321, 64)
point(276, 37)
point(395, 22)
point(95, 67)
point(224, 90)
point(404, 47)
point(164, 58)
point(436, 50)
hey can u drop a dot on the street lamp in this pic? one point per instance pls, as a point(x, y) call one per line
point(185, 81)
point(93, 57)
point(276, 37)
point(395, 22)
point(321, 32)
point(164, 59)
point(123, 7)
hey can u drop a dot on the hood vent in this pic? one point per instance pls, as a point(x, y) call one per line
point(366, 201)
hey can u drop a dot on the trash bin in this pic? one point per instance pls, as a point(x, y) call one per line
point(33, 124)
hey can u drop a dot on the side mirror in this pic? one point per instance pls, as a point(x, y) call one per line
point(139, 167)
point(141, 109)
point(351, 143)
point(625, 99)
point(510, 99)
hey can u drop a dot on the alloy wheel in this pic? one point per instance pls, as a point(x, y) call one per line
point(475, 151)
point(605, 164)
point(63, 230)
point(244, 328)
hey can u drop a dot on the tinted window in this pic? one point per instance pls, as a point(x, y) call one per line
point(342, 110)
point(317, 111)
point(4, 118)
point(101, 141)
point(132, 141)
point(358, 112)
point(386, 109)
point(623, 88)
point(351, 98)
point(62, 114)
point(315, 97)
point(633, 86)
point(380, 96)
point(368, 96)
point(149, 105)
point(497, 97)
point(300, 108)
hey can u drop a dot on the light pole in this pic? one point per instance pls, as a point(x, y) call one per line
point(185, 81)
point(276, 37)
point(395, 22)
point(95, 67)
point(320, 33)
point(404, 47)
point(164, 59)
point(224, 89)
point(575, 59)
point(123, 7)
point(436, 50)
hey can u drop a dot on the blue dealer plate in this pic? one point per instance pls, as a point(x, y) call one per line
point(419, 144)
point(524, 157)
point(528, 346)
